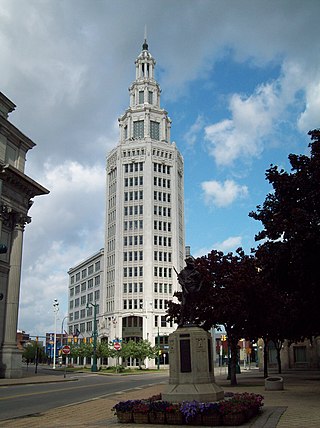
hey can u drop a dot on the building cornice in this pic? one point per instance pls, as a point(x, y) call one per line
point(16, 178)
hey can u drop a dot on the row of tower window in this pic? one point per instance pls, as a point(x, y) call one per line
point(139, 131)
point(158, 153)
point(135, 152)
point(162, 256)
point(133, 304)
point(138, 166)
point(160, 167)
point(84, 299)
point(85, 285)
point(161, 196)
point(162, 240)
point(161, 211)
point(133, 181)
point(85, 272)
point(82, 328)
point(133, 240)
point(160, 304)
point(133, 210)
point(133, 196)
point(132, 271)
point(162, 182)
point(141, 97)
point(133, 225)
point(135, 287)
point(133, 167)
point(162, 272)
point(132, 256)
point(162, 288)
point(162, 225)
point(83, 313)
point(162, 322)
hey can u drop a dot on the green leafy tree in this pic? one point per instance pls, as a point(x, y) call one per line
point(32, 351)
point(290, 216)
point(225, 297)
point(104, 350)
point(142, 350)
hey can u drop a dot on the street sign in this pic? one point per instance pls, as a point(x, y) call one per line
point(117, 346)
point(66, 349)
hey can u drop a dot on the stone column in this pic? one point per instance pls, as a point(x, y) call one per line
point(11, 355)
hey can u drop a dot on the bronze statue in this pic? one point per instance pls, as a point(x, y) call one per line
point(190, 280)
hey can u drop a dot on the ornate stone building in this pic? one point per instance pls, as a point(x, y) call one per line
point(144, 233)
point(144, 230)
point(16, 193)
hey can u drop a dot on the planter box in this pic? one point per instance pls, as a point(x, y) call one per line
point(213, 420)
point(273, 383)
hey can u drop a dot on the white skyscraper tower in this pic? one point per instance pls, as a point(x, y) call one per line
point(144, 234)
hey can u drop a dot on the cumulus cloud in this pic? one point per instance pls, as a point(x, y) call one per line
point(222, 194)
point(67, 226)
point(254, 118)
point(309, 118)
point(229, 244)
point(192, 134)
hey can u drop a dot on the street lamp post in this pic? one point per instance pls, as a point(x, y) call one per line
point(55, 310)
point(158, 350)
point(94, 367)
point(62, 330)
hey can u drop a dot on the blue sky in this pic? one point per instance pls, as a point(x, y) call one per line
point(240, 81)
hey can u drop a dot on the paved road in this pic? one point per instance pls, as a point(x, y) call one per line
point(22, 400)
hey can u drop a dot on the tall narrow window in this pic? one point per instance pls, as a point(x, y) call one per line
point(154, 130)
point(150, 97)
point(141, 97)
point(138, 129)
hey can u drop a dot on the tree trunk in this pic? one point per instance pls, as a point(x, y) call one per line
point(278, 344)
point(233, 362)
point(265, 358)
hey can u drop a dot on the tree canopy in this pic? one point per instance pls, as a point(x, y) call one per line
point(290, 216)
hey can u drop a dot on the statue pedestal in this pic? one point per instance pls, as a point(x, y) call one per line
point(191, 367)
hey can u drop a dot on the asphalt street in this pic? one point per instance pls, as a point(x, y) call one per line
point(22, 400)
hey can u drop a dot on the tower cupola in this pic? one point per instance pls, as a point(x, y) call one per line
point(144, 119)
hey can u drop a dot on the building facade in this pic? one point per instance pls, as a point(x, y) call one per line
point(85, 296)
point(16, 193)
point(144, 232)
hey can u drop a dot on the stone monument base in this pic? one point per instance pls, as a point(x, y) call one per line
point(203, 392)
point(191, 367)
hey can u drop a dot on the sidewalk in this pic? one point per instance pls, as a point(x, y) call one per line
point(297, 406)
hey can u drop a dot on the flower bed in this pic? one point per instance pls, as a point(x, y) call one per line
point(235, 409)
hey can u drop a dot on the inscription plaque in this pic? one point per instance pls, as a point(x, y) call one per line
point(185, 356)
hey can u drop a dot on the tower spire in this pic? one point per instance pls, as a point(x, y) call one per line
point(145, 44)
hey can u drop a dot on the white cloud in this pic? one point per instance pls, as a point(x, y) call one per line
point(192, 134)
point(67, 226)
point(229, 244)
point(222, 194)
point(252, 119)
point(310, 117)
point(257, 117)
